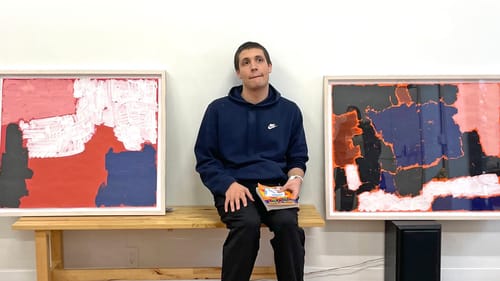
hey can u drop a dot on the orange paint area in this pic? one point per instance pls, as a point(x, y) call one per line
point(344, 128)
point(403, 95)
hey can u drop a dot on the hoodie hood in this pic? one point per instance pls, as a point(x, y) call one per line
point(272, 97)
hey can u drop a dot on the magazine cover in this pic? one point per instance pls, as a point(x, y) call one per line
point(274, 199)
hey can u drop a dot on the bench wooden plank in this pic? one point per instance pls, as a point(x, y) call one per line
point(49, 243)
point(182, 217)
point(171, 273)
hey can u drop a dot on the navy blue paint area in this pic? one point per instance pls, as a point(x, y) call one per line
point(463, 204)
point(416, 131)
point(387, 183)
point(132, 179)
point(14, 170)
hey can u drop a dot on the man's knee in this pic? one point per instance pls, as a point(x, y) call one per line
point(283, 220)
point(246, 218)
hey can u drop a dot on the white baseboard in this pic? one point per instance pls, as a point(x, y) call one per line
point(18, 274)
point(470, 274)
point(366, 274)
point(377, 274)
point(351, 274)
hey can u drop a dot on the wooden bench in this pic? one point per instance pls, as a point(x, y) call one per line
point(49, 243)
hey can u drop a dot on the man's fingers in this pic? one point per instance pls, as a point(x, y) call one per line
point(226, 205)
point(237, 204)
point(244, 200)
point(249, 195)
point(233, 197)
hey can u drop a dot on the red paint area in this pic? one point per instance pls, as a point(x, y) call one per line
point(71, 182)
point(2, 141)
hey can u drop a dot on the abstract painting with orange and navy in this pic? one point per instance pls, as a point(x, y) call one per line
point(79, 143)
point(414, 146)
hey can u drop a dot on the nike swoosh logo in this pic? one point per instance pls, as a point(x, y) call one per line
point(271, 126)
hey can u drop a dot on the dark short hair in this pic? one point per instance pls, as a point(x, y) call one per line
point(246, 46)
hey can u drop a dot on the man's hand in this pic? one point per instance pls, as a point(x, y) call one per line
point(234, 194)
point(292, 185)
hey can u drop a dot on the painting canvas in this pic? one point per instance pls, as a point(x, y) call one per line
point(412, 147)
point(82, 143)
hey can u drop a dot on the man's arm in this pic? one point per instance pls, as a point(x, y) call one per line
point(297, 156)
point(208, 164)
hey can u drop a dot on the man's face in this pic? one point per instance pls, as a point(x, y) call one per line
point(254, 69)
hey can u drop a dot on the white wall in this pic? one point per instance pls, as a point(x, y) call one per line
point(194, 42)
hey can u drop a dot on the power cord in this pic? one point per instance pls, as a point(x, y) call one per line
point(351, 269)
point(354, 268)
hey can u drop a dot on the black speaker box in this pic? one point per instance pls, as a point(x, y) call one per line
point(412, 251)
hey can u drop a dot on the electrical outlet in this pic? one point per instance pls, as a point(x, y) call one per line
point(133, 257)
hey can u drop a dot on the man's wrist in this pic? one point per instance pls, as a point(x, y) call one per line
point(292, 177)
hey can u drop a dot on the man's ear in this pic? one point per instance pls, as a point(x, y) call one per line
point(270, 68)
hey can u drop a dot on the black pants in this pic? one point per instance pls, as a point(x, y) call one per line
point(242, 243)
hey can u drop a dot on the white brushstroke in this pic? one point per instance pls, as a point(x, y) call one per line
point(56, 136)
point(127, 106)
point(352, 177)
point(485, 185)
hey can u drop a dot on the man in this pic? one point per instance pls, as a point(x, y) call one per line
point(252, 136)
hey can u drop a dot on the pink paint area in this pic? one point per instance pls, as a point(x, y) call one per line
point(478, 107)
point(26, 99)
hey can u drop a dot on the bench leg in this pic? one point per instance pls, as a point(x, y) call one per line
point(43, 272)
point(56, 249)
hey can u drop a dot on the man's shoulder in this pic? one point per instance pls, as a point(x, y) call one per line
point(288, 103)
point(219, 103)
point(286, 100)
point(282, 99)
point(220, 100)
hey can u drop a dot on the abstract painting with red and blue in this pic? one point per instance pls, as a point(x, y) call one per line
point(413, 148)
point(81, 144)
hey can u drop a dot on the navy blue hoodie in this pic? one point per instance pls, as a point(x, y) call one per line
point(238, 140)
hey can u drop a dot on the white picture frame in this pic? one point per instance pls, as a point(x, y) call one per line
point(425, 171)
point(82, 142)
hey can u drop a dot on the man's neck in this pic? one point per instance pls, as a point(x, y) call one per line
point(254, 96)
